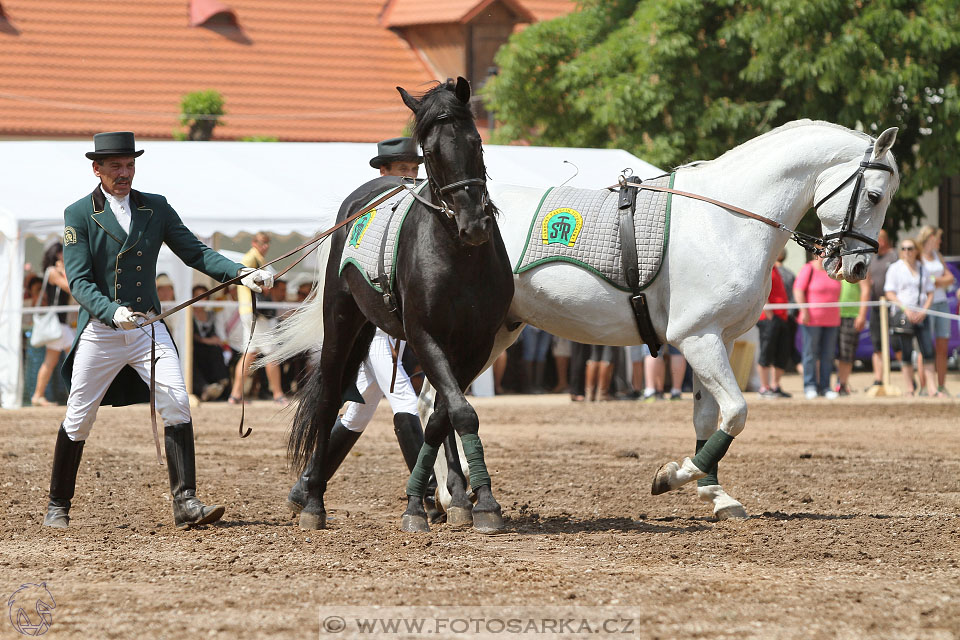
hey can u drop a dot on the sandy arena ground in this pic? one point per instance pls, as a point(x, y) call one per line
point(853, 529)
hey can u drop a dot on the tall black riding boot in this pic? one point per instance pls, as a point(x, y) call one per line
point(181, 465)
point(410, 437)
point(341, 441)
point(63, 480)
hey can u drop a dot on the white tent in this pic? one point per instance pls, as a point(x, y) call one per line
point(228, 188)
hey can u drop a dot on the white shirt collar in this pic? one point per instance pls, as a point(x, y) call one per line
point(120, 208)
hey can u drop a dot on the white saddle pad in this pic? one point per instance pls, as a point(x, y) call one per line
point(582, 227)
point(374, 231)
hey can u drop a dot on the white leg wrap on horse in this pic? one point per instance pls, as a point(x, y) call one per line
point(724, 506)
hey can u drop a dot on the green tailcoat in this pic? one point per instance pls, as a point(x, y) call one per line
point(109, 268)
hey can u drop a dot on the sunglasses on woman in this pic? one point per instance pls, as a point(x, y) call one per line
point(911, 248)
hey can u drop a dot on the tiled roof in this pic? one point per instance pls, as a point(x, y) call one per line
point(295, 69)
point(549, 9)
point(401, 13)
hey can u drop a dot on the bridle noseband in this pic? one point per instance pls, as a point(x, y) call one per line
point(833, 244)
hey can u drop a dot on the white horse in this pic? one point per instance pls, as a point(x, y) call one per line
point(715, 276)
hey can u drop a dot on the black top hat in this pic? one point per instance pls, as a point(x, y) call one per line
point(113, 144)
point(394, 150)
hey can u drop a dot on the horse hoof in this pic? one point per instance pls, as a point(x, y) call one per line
point(732, 512)
point(313, 520)
point(414, 524)
point(661, 480)
point(294, 507)
point(459, 516)
point(487, 522)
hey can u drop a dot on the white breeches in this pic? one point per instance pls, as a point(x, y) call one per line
point(373, 381)
point(101, 353)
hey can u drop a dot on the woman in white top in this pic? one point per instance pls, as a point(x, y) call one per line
point(934, 269)
point(906, 285)
point(57, 293)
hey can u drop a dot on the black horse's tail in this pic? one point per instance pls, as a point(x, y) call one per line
point(309, 428)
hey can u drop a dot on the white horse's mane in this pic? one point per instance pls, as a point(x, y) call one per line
point(784, 127)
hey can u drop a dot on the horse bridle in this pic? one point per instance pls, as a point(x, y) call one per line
point(833, 243)
point(439, 192)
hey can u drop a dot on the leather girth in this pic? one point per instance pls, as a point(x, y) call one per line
point(631, 271)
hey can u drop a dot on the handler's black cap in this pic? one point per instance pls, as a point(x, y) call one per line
point(113, 144)
point(395, 150)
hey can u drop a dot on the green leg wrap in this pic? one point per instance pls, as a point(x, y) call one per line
point(473, 450)
point(711, 477)
point(712, 451)
point(417, 483)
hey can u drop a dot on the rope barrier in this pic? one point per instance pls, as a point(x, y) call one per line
point(874, 303)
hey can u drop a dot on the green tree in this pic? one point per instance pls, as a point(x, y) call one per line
point(678, 80)
point(200, 112)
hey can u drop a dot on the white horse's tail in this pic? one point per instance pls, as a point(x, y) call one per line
point(302, 331)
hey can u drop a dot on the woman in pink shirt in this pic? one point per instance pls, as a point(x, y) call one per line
point(820, 326)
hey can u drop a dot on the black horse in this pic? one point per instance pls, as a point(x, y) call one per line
point(452, 289)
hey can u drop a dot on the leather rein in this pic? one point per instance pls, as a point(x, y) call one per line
point(832, 244)
point(145, 320)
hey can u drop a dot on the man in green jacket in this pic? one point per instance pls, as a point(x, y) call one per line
point(111, 240)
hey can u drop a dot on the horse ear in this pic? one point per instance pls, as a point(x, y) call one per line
point(885, 142)
point(409, 100)
point(463, 90)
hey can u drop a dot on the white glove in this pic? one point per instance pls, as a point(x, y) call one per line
point(124, 319)
point(254, 279)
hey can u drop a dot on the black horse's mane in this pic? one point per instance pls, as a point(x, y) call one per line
point(439, 101)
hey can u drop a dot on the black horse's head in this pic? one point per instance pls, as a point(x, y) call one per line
point(453, 156)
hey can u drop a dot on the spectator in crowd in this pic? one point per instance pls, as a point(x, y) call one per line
point(654, 373)
point(599, 372)
point(56, 293)
point(303, 291)
point(165, 290)
point(535, 343)
point(32, 284)
point(291, 369)
point(210, 373)
point(775, 344)
point(852, 322)
point(906, 284)
point(579, 354)
point(166, 294)
point(562, 349)
point(254, 258)
point(820, 325)
point(876, 276)
point(637, 356)
point(788, 278)
point(934, 268)
point(229, 326)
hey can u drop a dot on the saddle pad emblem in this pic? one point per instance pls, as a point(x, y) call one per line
point(360, 226)
point(562, 226)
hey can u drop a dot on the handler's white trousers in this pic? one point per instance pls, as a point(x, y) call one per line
point(373, 381)
point(101, 353)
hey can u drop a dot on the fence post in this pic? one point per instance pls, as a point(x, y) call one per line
point(886, 389)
